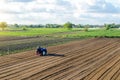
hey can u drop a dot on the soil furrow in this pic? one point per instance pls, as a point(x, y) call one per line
point(97, 70)
point(55, 69)
point(115, 75)
point(30, 55)
point(103, 68)
point(91, 59)
point(20, 64)
point(110, 72)
point(80, 70)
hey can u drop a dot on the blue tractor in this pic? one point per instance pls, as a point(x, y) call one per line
point(41, 51)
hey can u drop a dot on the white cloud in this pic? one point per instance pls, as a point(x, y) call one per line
point(59, 11)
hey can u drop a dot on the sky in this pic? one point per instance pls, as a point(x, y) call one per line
point(60, 11)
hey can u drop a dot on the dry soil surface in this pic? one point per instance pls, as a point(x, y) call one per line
point(91, 59)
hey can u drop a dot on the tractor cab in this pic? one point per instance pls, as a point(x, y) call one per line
point(41, 51)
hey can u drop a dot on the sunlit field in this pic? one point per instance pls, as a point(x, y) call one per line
point(31, 31)
point(75, 32)
point(17, 39)
point(96, 33)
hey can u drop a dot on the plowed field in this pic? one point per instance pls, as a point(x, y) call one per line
point(91, 59)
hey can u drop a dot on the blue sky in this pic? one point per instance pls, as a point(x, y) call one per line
point(60, 11)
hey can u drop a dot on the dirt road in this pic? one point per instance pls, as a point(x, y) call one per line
point(91, 59)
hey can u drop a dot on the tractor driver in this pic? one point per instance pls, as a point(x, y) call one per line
point(39, 50)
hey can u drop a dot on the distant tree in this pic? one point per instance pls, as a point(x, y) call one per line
point(3, 25)
point(53, 26)
point(79, 26)
point(16, 25)
point(86, 27)
point(107, 26)
point(113, 25)
point(48, 25)
point(73, 25)
point(68, 25)
point(59, 26)
point(40, 26)
point(31, 26)
point(24, 28)
point(117, 26)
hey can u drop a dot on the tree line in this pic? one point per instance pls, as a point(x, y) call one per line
point(67, 25)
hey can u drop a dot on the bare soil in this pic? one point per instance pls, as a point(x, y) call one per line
point(91, 59)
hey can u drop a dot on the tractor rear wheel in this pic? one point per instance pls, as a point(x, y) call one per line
point(44, 53)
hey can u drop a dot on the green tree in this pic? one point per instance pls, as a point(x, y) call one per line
point(48, 25)
point(16, 25)
point(24, 28)
point(79, 26)
point(3, 25)
point(68, 25)
point(107, 26)
point(86, 27)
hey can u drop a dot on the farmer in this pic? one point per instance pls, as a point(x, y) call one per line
point(39, 51)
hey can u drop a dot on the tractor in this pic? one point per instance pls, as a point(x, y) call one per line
point(41, 51)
